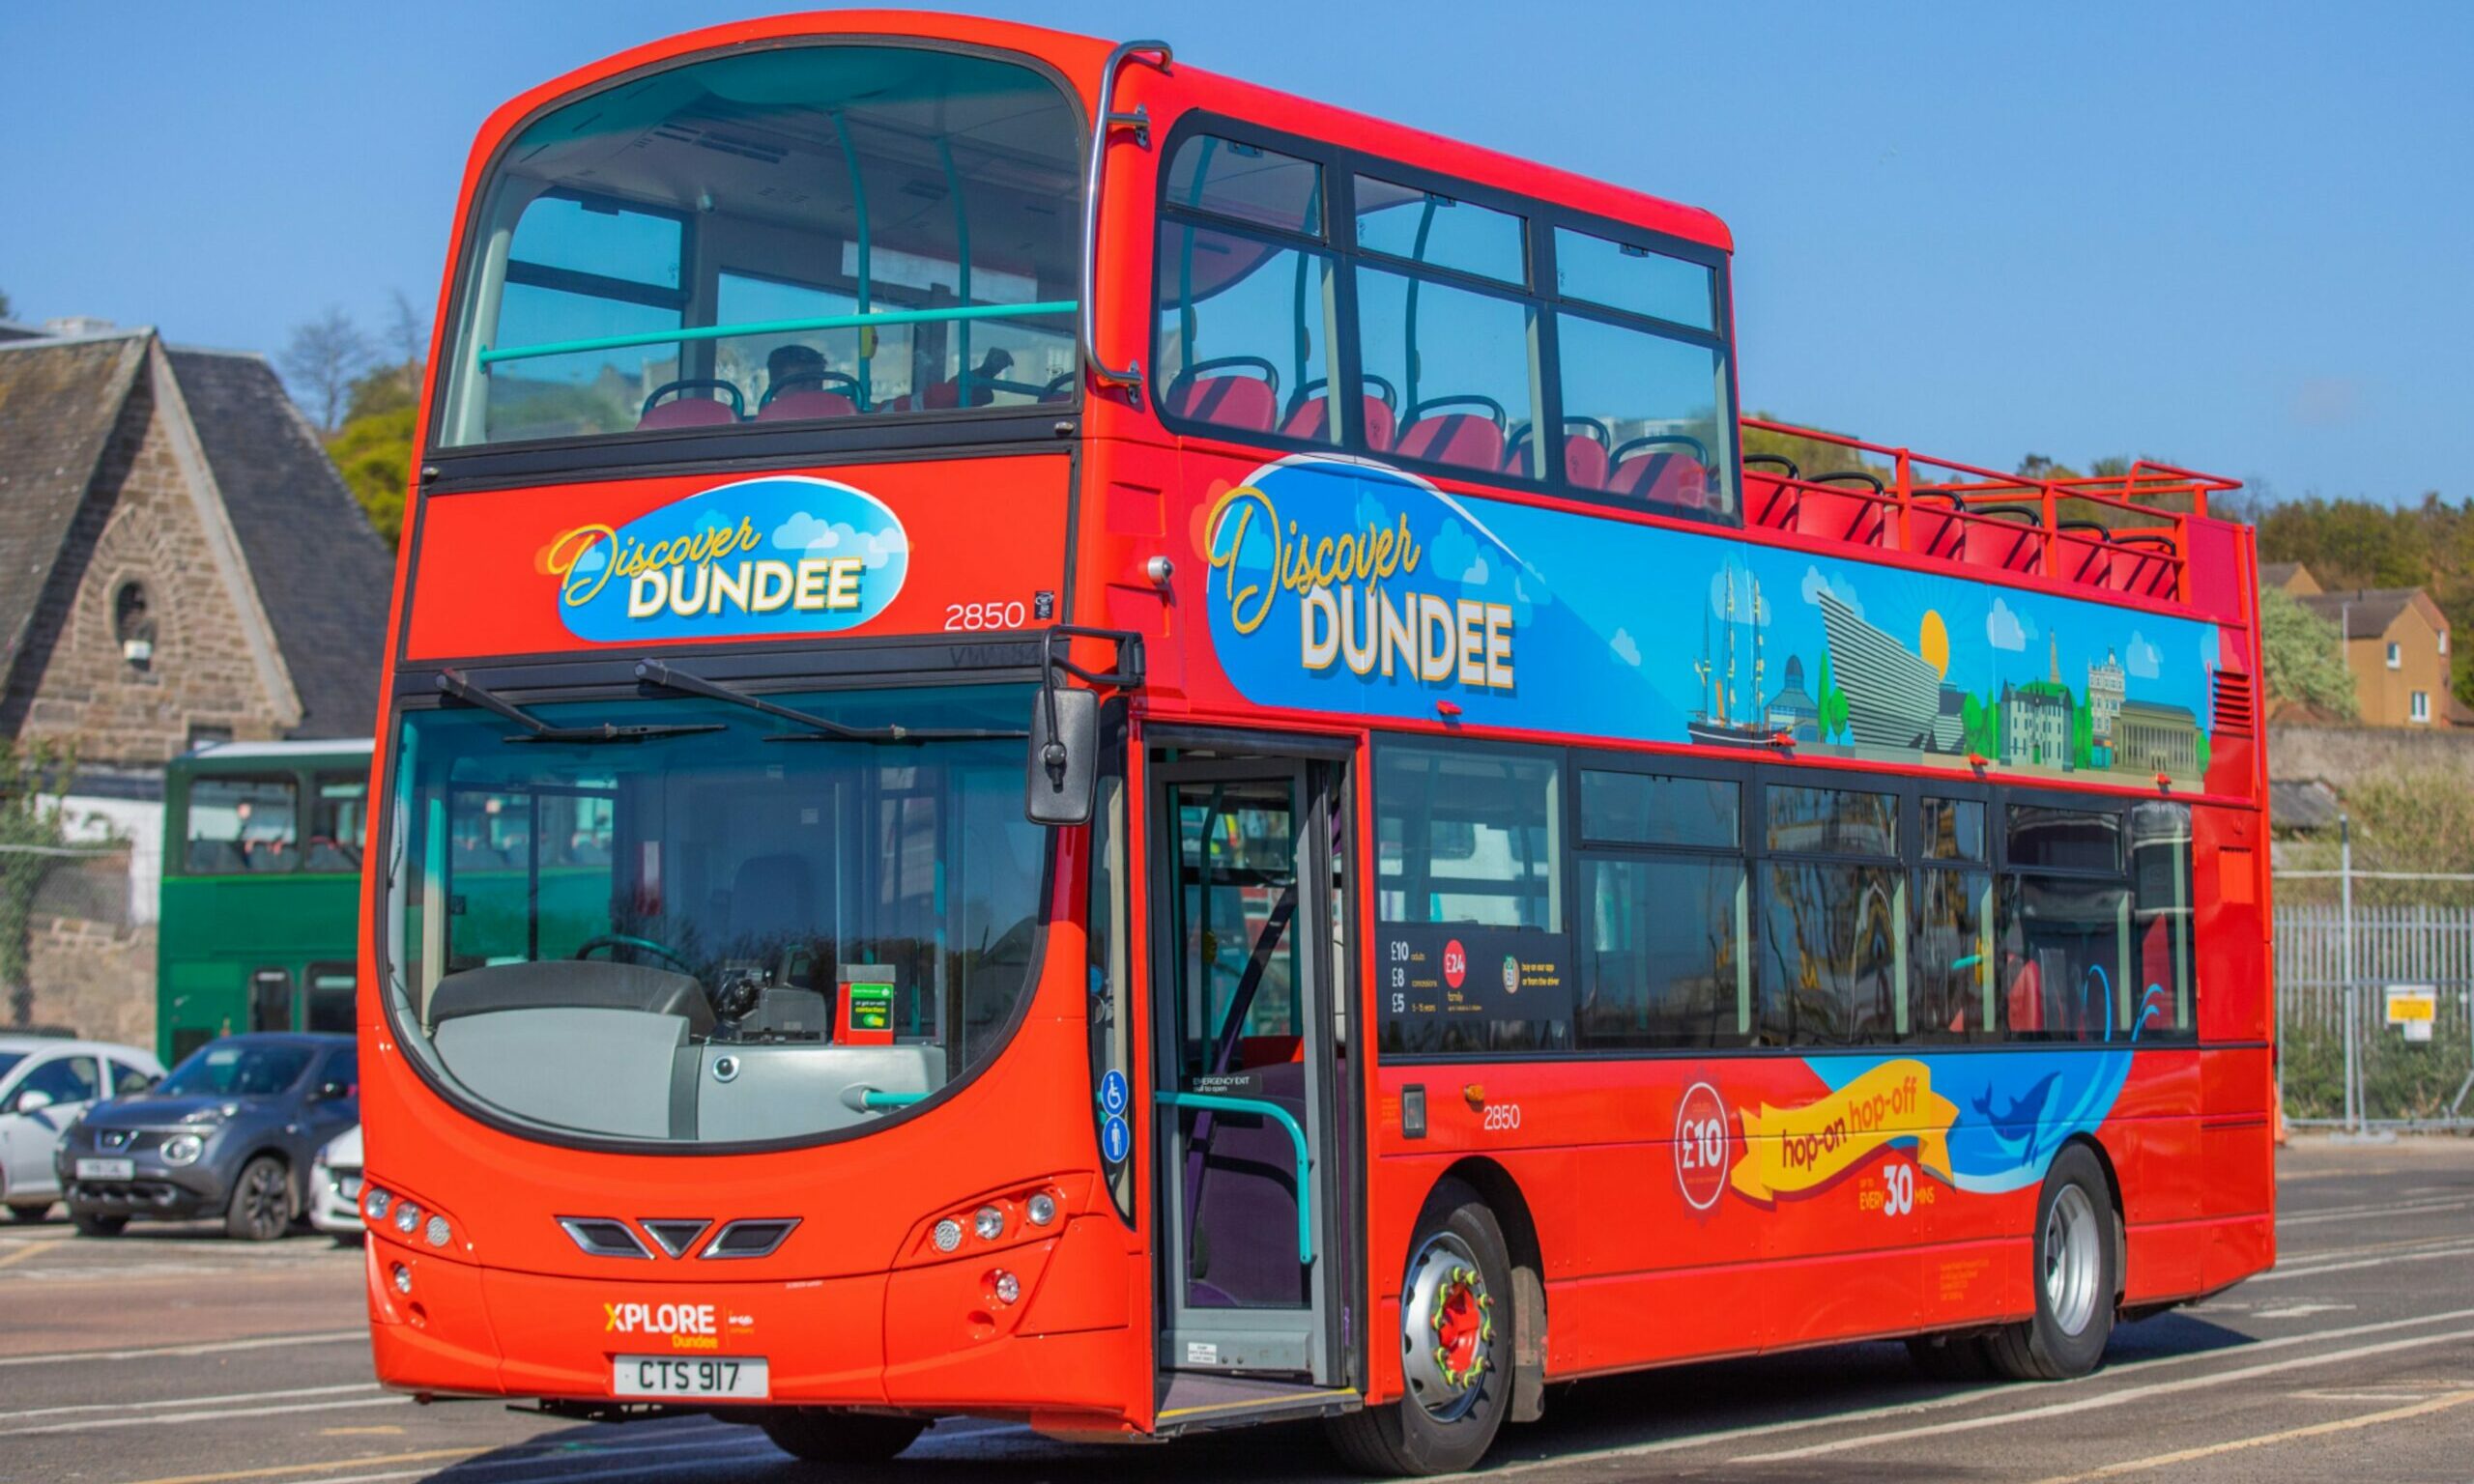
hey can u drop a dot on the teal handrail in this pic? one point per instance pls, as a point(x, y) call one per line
point(491, 356)
point(873, 1098)
point(1214, 1103)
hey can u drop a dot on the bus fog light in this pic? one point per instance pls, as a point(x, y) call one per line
point(183, 1149)
point(990, 1224)
point(437, 1232)
point(403, 1278)
point(408, 1217)
point(1042, 1209)
point(947, 1236)
point(1008, 1287)
point(374, 1203)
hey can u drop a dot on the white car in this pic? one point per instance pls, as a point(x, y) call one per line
point(46, 1085)
point(334, 1186)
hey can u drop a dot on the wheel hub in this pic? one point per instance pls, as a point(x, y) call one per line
point(1447, 1327)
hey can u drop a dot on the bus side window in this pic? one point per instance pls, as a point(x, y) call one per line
point(240, 824)
point(2164, 993)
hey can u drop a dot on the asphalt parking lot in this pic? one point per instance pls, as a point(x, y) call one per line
point(172, 1357)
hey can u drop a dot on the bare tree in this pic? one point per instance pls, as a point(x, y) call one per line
point(321, 362)
point(407, 342)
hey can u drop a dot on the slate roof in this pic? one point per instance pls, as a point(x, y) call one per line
point(59, 400)
point(2365, 612)
point(2277, 574)
point(323, 576)
point(2302, 803)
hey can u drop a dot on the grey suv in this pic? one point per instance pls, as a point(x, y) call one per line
point(232, 1132)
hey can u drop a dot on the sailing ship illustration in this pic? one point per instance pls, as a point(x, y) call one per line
point(1731, 716)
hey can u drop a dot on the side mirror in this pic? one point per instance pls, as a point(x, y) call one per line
point(1064, 763)
point(35, 1100)
point(333, 1092)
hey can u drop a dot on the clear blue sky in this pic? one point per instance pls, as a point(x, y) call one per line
point(2237, 235)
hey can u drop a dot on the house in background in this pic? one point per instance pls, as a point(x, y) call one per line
point(180, 564)
point(2397, 643)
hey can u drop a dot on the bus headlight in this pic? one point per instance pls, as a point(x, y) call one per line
point(1042, 1208)
point(438, 1232)
point(990, 1224)
point(183, 1149)
point(408, 1217)
point(374, 1203)
point(947, 1236)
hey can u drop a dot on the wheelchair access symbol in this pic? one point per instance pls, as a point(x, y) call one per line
point(1113, 1094)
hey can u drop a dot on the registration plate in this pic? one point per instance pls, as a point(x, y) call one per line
point(106, 1169)
point(740, 1378)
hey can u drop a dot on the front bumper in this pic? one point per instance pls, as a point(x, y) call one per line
point(156, 1190)
point(334, 1199)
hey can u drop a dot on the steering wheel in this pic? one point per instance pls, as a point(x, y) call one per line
point(1057, 386)
point(1494, 409)
point(730, 390)
point(639, 945)
point(1700, 449)
point(848, 384)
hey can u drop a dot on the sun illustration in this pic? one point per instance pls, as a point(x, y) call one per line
point(1933, 643)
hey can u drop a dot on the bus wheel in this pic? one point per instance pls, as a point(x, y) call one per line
point(1455, 1348)
point(2075, 1278)
point(839, 1437)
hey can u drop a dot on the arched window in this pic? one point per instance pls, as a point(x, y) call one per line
point(133, 625)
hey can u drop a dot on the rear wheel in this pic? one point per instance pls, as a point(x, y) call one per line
point(2076, 1277)
point(840, 1437)
point(89, 1223)
point(1455, 1348)
point(261, 1201)
point(29, 1211)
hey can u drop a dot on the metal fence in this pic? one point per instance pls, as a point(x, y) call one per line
point(2375, 1003)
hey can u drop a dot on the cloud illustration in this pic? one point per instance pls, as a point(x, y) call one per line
point(1750, 606)
point(1624, 647)
point(1815, 585)
point(804, 532)
point(2142, 659)
point(1454, 554)
point(594, 557)
point(2006, 630)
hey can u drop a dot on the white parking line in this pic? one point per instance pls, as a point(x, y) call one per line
point(2117, 1398)
point(1956, 1399)
point(210, 1348)
point(2178, 1456)
point(187, 1400)
point(2314, 1269)
point(2358, 1213)
point(97, 1424)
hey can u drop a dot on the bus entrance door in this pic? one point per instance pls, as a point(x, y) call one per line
point(1243, 905)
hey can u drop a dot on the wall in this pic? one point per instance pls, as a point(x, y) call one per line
point(141, 521)
point(2342, 755)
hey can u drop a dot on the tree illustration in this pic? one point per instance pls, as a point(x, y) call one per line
point(1830, 702)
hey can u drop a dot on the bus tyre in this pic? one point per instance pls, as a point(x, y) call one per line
point(2075, 1277)
point(817, 1437)
point(1457, 1348)
point(261, 1201)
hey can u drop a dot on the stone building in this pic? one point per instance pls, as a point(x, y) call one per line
point(180, 565)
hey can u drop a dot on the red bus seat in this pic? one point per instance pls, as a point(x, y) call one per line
point(2007, 544)
point(687, 413)
point(800, 406)
point(1663, 478)
point(1470, 440)
point(1241, 402)
point(1839, 516)
point(1768, 502)
point(1311, 419)
point(1585, 463)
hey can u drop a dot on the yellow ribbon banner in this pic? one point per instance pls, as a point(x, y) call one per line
point(1796, 1149)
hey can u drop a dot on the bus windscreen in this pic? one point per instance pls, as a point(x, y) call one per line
point(653, 942)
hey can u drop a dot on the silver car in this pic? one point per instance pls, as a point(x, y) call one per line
point(46, 1086)
point(335, 1187)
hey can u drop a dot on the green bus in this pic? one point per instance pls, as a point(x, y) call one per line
point(262, 852)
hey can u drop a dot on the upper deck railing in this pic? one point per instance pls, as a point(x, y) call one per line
point(2126, 532)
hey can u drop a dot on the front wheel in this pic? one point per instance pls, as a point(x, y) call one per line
point(1455, 1348)
point(28, 1212)
point(2076, 1278)
point(261, 1201)
point(840, 1437)
point(91, 1223)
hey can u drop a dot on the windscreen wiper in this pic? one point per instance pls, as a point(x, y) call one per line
point(536, 729)
point(816, 728)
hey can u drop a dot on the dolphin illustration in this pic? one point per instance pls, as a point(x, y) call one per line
point(2027, 1110)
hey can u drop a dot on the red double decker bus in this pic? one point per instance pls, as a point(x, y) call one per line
point(1067, 740)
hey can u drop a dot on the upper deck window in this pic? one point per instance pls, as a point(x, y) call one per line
point(1636, 280)
point(1228, 178)
point(801, 234)
point(1440, 231)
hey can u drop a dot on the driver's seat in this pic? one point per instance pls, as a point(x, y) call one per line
point(772, 909)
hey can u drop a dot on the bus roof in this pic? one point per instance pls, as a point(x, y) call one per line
point(1079, 59)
